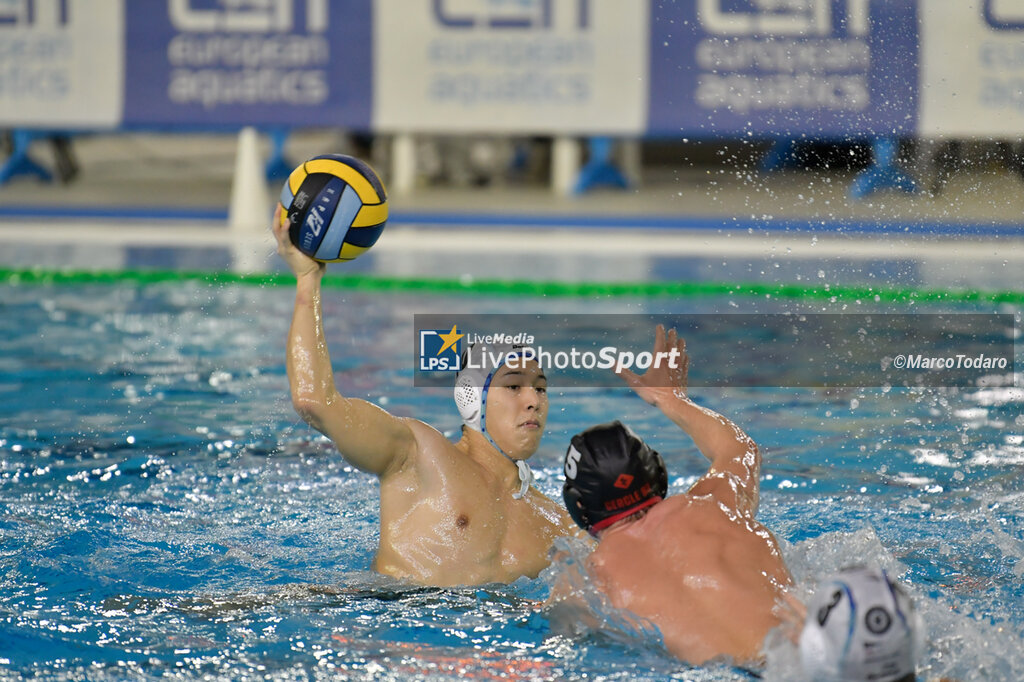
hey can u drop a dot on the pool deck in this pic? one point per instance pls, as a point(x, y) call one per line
point(151, 201)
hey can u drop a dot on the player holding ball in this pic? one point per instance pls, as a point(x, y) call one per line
point(451, 513)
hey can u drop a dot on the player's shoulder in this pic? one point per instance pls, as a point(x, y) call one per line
point(720, 489)
point(425, 443)
point(431, 445)
point(421, 429)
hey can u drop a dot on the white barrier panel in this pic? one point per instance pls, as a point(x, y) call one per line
point(574, 66)
point(972, 69)
point(61, 63)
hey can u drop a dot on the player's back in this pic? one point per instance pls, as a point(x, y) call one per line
point(707, 576)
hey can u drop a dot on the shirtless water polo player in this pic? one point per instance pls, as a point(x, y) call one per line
point(698, 565)
point(460, 513)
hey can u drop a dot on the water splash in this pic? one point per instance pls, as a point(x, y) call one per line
point(961, 646)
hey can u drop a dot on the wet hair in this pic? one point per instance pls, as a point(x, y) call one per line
point(611, 474)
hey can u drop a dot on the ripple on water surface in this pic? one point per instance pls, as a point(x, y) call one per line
point(163, 512)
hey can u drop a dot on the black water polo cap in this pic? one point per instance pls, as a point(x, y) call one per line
point(610, 473)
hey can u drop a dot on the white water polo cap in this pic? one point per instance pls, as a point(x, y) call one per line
point(860, 626)
point(479, 364)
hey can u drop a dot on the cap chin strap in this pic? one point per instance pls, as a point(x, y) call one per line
point(525, 474)
point(525, 478)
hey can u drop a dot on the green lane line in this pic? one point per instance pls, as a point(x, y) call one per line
point(427, 285)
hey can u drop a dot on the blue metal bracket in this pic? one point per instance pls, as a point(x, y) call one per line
point(19, 162)
point(884, 172)
point(600, 169)
point(782, 154)
point(278, 167)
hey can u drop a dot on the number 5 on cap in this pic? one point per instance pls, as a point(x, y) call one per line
point(572, 458)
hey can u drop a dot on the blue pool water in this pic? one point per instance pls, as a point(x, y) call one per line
point(164, 513)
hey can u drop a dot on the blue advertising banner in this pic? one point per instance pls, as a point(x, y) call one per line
point(823, 68)
point(682, 68)
point(249, 62)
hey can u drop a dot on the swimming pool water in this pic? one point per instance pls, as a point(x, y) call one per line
point(164, 513)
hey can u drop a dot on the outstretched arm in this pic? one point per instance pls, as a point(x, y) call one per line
point(368, 437)
point(735, 460)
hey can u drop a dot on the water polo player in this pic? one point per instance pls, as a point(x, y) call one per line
point(861, 626)
point(698, 565)
point(458, 513)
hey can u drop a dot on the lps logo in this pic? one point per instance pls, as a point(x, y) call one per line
point(441, 350)
point(521, 14)
point(246, 16)
point(781, 17)
point(34, 12)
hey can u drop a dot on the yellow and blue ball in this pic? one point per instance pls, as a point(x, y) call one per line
point(336, 207)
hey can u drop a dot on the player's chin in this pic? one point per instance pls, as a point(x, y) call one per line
point(528, 442)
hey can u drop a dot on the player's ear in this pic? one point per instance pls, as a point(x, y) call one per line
point(574, 506)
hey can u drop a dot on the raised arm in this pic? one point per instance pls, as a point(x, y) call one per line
point(735, 461)
point(367, 437)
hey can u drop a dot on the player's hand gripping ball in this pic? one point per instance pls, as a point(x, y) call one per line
point(336, 207)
